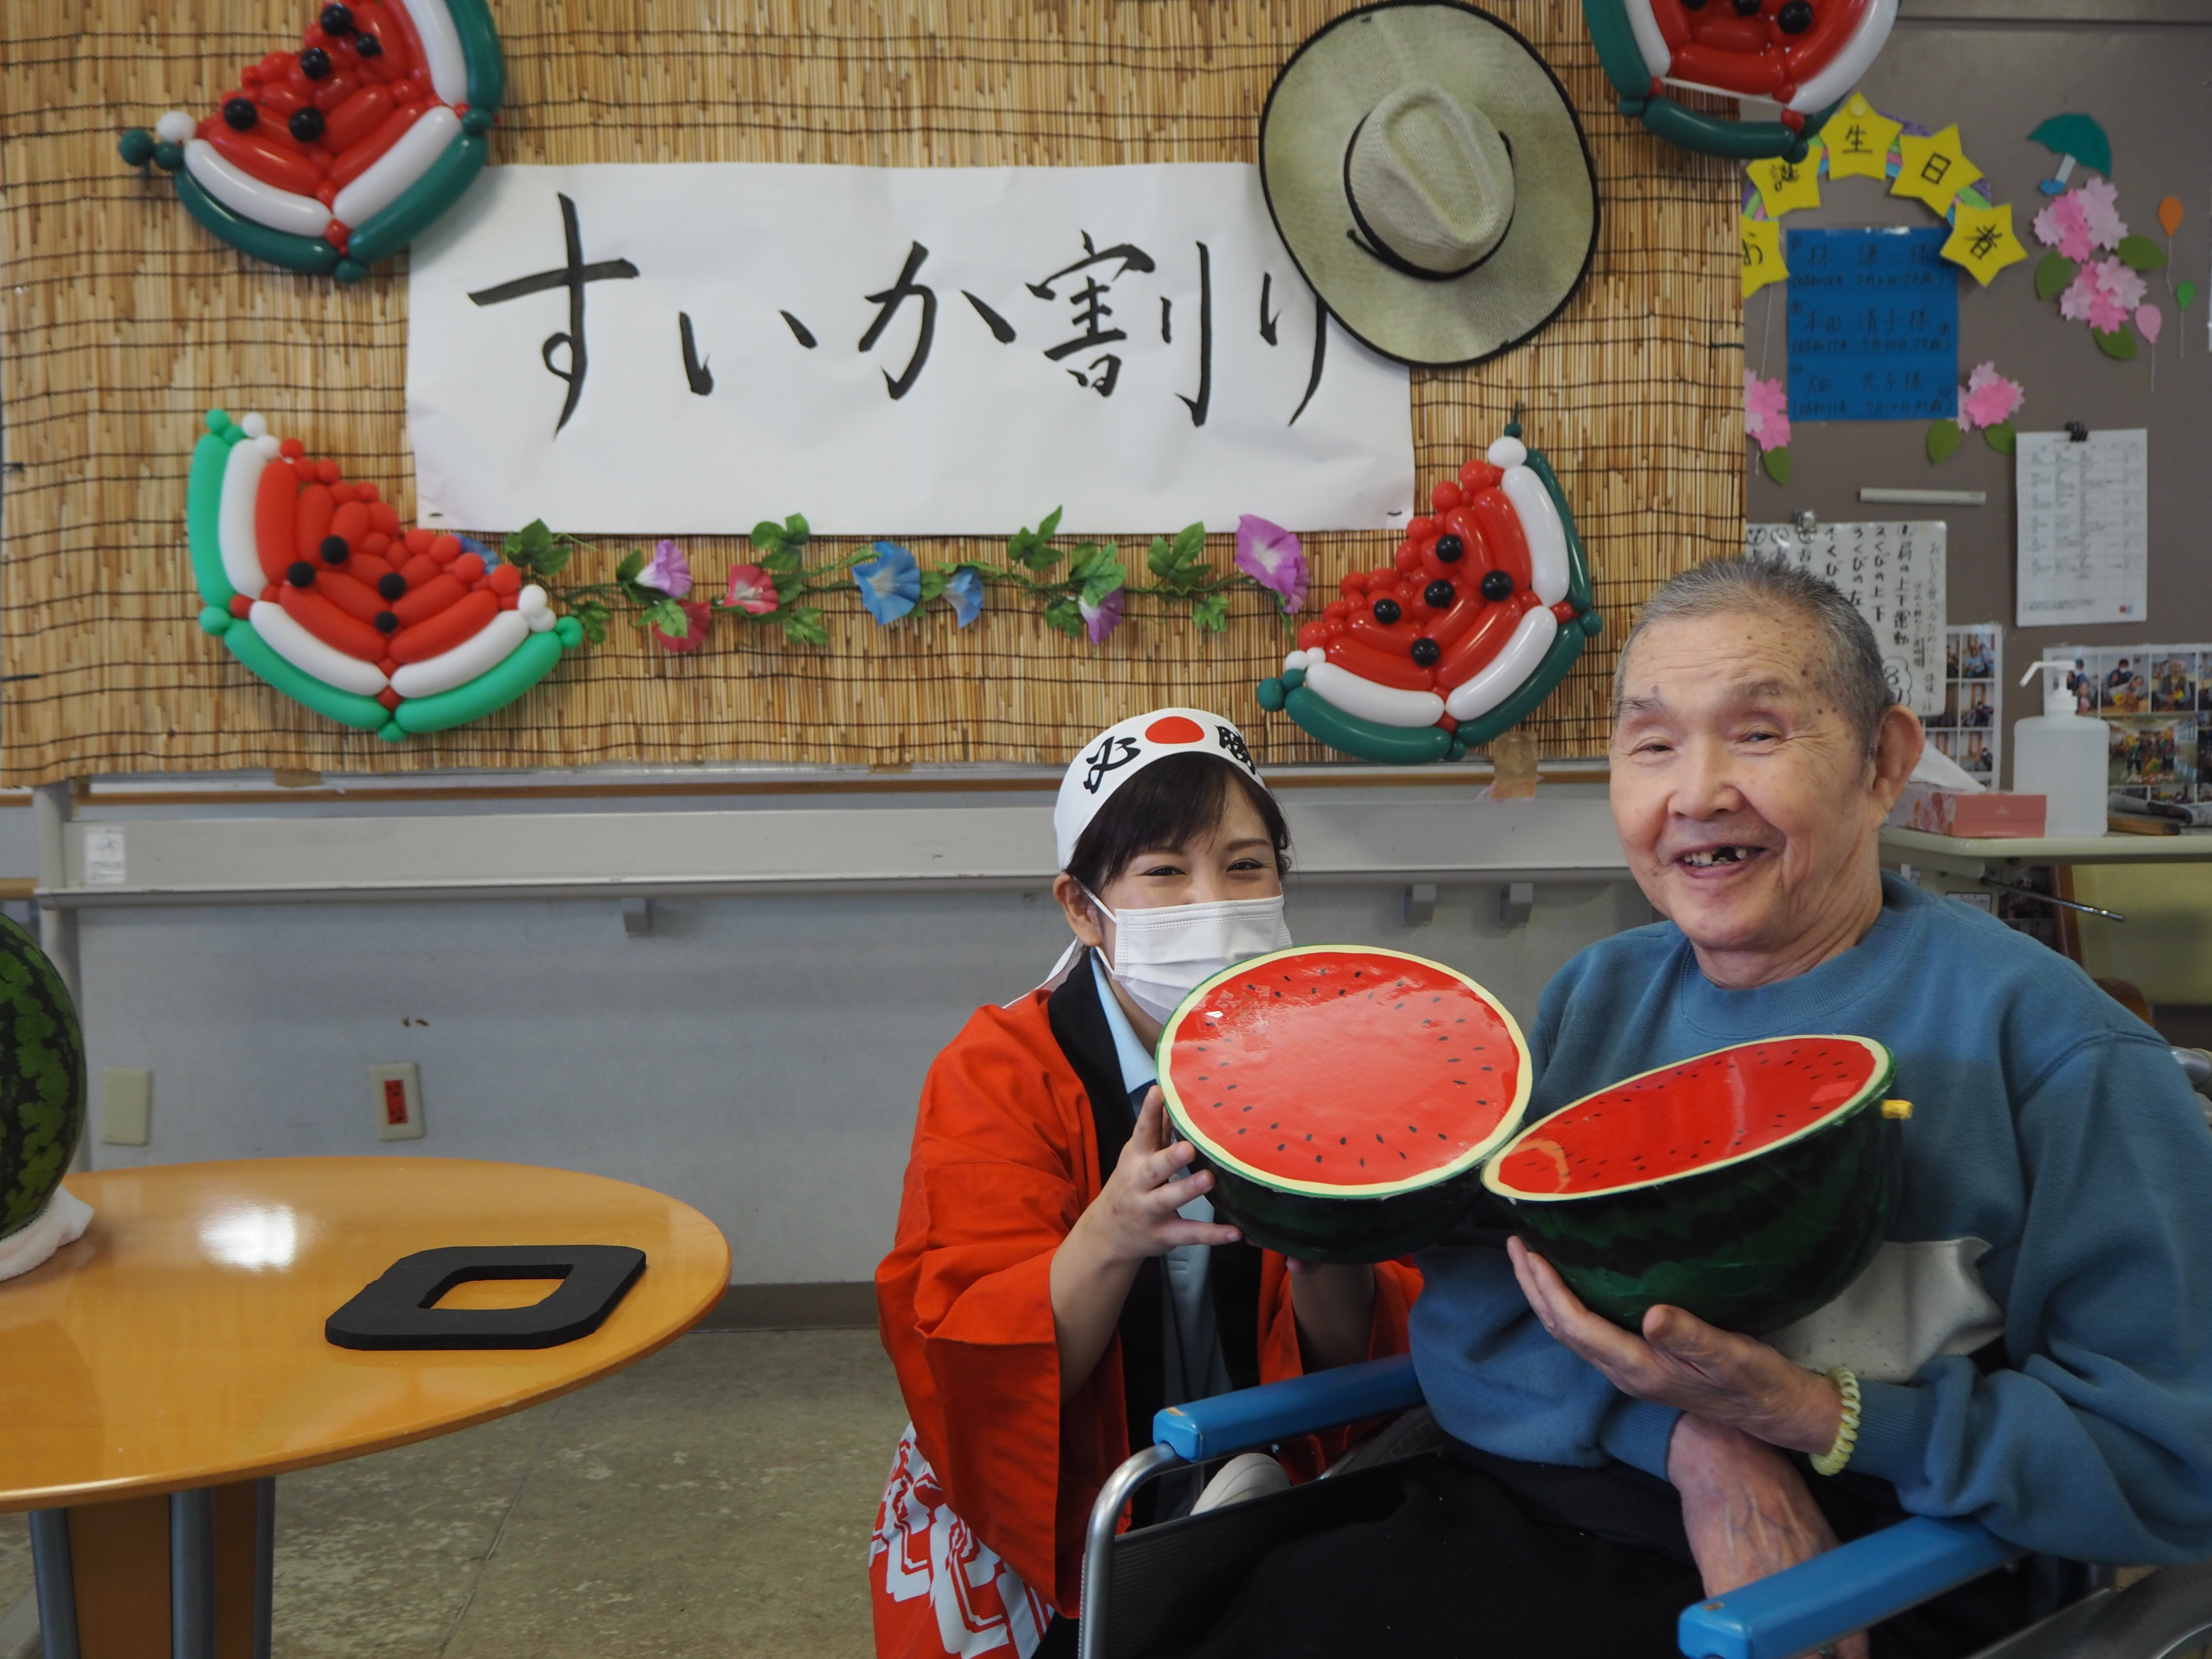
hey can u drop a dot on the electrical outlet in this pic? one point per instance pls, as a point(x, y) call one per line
point(396, 1092)
point(126, 1106)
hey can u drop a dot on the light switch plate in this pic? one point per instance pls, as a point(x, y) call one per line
point(126, 1106)
point(396, 1092)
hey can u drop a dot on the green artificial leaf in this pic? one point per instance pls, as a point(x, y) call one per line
point(668, 617)
point(591, 617)
point(2119, 343)
point(1942, 441)
point(1210, 613)
point(631, 564)
point(933, 584)
point(1032, 549)
point(528, 547)
point(2001, 437)
point(798, 532)
point(2052, 275)
point(780, 544)
point(768, 533)
point(803, 626)
point(789, 584)
point(1064, 615)
point(1098, 568)
point(1776, 463)
point(1179, 565)
point(779, 561)
point(2141, 253)
point(555, 559)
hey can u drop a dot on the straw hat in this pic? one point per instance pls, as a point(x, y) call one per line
point(1426, 171)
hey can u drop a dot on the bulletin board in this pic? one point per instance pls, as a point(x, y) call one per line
point(1997, 68)
point(123, 322)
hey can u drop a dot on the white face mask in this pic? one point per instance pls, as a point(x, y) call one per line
point(1162, 954)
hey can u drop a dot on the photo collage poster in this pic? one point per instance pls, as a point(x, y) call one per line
point(2153, 700)
point(1971, 727)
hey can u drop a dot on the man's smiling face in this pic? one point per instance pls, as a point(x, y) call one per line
point(1747, 803)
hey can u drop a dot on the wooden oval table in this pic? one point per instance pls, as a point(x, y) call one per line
point(158, 1373)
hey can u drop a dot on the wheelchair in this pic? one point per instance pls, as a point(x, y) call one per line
point(1150, 1591)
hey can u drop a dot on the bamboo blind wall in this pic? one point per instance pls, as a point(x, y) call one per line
point(123, 321)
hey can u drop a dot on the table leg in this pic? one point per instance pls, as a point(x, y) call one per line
point(185, 1575)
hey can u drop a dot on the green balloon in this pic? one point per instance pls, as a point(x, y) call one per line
point(2184, 292)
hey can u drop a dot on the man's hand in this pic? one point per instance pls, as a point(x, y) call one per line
point(1681, 1361)
point(1746, 1509)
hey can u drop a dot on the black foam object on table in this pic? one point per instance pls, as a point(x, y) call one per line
point(399, 1308)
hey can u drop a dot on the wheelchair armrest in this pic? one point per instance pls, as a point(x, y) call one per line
point(1848, 1589)
point(1254, 1417)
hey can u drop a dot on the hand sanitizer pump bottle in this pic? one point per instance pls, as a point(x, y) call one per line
point(2061, 755)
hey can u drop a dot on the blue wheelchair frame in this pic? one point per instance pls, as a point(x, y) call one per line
point(1846, 1589)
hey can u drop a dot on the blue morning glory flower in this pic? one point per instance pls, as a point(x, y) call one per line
point(889, 583)
point(964, 587)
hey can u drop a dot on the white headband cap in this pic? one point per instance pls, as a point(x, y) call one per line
point(1120, 752)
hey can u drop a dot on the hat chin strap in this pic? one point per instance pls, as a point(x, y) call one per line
point(1368, 241)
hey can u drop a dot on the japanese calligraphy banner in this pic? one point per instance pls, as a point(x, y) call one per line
point(691, 348)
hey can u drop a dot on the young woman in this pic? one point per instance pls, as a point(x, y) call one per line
point(1058, 1275)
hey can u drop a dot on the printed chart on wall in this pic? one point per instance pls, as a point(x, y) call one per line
point(2156, 700)
point(2084, 528)
point(1970, 726)
point(1894, 575)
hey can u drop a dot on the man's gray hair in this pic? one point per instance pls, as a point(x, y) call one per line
point(1851, 670)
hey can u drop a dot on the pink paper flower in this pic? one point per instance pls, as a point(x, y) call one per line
point(2082, 221)
point(2102, 295)
point(1271, 556)
point(2101, 212)
point(751, 591)
point(1765, 412)
point(669, 571)
point(1988, 398)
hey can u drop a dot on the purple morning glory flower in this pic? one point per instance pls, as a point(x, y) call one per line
point(1271, 556)
point(889, 583)
point(964, 587)
point(669, 573)
point(1103, 618)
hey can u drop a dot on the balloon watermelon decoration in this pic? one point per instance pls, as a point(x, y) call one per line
point(1343, 1098)
point(327, 159)
point(42, 1080)
point(1749, 1185)
point(314, 586)
point(1804, 55)
point(1482, 612)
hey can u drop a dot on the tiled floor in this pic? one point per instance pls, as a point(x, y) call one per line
point(715, 1500)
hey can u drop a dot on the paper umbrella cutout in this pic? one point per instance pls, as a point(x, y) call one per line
point(1805, 55)
point(313, 585)
point(1483, 610)
point(330, 158)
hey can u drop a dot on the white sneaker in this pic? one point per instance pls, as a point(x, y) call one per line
point(1247, 1475)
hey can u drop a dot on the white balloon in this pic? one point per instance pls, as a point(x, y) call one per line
point(176, 127)
point(1508, 671)
point(249, 198)
point(255, 426)
point(1508, 453)
point(311, 656)
point(486, 648)
point(241, 490)
point(441, 52)
point(388, 176)
point(1386, 705)
point(1546, 536)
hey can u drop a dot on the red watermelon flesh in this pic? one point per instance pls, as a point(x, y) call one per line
point(1339, 1069)
point(1699, 1114)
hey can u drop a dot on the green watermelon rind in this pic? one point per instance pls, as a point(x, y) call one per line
point(42, 1088)
point(1320, 1221)
point(1751, 1243)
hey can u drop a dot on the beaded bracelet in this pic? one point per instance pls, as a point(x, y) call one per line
point(1832, 1460)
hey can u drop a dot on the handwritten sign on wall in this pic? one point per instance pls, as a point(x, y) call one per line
point(1874, 326)
point(1893, 576)
point(691, 348)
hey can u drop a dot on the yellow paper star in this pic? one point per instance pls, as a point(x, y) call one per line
point(1786, 184)
point(1982, 240)
point(1935, 169)
point(1762, 255)
point(1857, 138)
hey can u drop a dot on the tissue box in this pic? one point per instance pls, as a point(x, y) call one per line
point(1947, 812)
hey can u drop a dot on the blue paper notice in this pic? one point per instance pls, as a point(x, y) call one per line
point(1874, 326)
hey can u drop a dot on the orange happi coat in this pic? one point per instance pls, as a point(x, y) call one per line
point(1004, 1158)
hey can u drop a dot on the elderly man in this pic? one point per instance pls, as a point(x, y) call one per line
point(2032, 1347)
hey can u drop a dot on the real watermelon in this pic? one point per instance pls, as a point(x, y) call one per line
point(42, 1090)
point(1749, 1185)
point(1343, 1097)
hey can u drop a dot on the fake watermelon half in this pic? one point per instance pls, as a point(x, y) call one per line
point(1343, 1098)
point(42, 1089)
point(1749, 1185)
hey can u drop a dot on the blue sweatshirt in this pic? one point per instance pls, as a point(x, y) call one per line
point(2057, 1194)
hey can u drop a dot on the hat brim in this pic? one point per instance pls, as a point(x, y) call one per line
point(1316, 104)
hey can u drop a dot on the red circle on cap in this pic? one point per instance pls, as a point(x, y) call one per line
point(1175, 728)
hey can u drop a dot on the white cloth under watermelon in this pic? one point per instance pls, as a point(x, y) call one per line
point(61, 1222)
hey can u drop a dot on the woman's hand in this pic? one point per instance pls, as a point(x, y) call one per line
point(1681, 1361)
point(1132, 1217)
point(1746, 1511)
point(1334, 1305)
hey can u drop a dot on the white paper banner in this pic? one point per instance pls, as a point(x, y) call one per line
point(692, 347)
